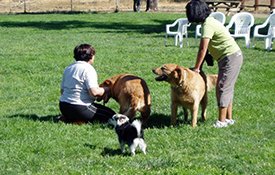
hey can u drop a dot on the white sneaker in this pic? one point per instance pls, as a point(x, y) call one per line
point(230, 121)
point(220, 124)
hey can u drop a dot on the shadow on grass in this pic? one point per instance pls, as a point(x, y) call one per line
point(90, 146)
point(117, 152)
point(106, 151)
point(111, 152)
point(112, 27)
point(34, 117)
point(162, 121)
point(157, 26)
point(156, 120)
point(258, 48)
point(50, 118)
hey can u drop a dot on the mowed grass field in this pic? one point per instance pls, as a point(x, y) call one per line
point(35, 49)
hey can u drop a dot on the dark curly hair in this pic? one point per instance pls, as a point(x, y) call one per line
point(83, 52)
point(197, 11)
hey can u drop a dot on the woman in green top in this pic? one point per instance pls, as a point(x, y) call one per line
point(223, 48)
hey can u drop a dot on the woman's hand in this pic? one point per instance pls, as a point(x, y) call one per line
point(96, 91)
point(201, 53)
point(195, 69)
point(105, 97)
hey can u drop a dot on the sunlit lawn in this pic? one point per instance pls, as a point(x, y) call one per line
point(35, 49)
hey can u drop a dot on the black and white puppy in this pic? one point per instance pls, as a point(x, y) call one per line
point(129, 133)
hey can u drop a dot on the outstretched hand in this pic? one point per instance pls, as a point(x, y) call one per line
point(195, 69)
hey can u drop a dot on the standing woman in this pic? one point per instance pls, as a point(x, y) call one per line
point(223, 48)
point(79, 89)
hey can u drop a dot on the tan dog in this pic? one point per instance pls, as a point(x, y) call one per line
point(132, 94)
point(188, 89)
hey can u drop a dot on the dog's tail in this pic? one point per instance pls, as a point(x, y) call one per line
point(211, 81)
point(137, 125)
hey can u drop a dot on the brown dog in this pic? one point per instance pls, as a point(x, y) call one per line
point(188, 89)
point(132, 94)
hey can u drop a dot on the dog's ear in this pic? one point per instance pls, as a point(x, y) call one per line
point(107, 95)
point(179, 74)
point(106, 83)
point(115, 117)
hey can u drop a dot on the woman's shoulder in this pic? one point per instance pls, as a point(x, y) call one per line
point(210, 20)
point(213, 25)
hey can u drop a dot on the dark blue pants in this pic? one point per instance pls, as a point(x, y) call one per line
point(94, 112)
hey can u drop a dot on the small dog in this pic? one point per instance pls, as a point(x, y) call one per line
point(128, 133)
point(131, 93)
point(188, 89)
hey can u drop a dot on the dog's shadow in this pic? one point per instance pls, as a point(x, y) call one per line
point(161, 121)
point(113, 152)
point(158, 121)
point(106, 151)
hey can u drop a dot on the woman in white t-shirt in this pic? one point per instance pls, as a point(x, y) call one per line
point(79, 89)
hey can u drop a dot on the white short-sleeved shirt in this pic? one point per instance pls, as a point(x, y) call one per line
point(77, 79)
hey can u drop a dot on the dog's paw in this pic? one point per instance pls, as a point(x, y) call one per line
point(133, 153)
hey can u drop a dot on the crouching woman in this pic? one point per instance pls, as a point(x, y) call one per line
point(79, 89)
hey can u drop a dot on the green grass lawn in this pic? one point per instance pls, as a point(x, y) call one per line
point(35, 49)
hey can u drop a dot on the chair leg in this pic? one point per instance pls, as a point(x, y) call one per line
point(268, 42)
point(247, 42)
point(180, 41)
point(165, 40)
point(176, 40)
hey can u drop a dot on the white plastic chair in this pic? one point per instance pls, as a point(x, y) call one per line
point(217, 15)
point(243, 22)
point(181, 24)
point(270, 32)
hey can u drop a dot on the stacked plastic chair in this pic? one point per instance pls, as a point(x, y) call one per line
point(181, 24)
point(270, 35)
point(242, 23)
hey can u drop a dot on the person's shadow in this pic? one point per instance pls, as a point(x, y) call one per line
point(155, 120)
point(34, 117)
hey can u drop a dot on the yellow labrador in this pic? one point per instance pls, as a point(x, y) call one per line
point(188, 89)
